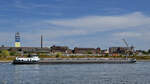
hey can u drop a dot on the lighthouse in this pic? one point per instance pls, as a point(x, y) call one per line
point(17, 40)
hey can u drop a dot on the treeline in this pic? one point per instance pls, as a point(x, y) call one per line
point(146, 52)
point(5, 53)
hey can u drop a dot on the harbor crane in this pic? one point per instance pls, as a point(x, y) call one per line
point(125, 42)
point(130, 50)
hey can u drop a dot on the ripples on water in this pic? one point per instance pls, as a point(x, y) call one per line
point(138, 73)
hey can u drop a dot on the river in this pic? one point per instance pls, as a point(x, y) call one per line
point(136, 73)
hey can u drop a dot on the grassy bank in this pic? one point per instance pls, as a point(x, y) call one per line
point(136, 57)
point(142, 57)
point(7, 59)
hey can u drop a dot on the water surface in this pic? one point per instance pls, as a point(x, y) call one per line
point(137, 73)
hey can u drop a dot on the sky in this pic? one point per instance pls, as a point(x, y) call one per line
point(76, 23)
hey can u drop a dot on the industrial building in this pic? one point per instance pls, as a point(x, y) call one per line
point(120, 50)
point(86, 50)
point(62, 49)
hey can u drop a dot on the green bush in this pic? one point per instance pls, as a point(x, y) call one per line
point(89, 52)
point(5, 53)
point(106, 55)
point(13, 53)
point(58, 55)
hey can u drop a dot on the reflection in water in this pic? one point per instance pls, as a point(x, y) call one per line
point(137, 73)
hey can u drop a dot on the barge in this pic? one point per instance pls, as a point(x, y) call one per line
point(85, 60)
point(36, 60)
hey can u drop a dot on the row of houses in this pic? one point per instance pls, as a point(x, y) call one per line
point(66, 50)
point(54, 49)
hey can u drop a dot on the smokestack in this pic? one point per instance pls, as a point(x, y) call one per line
point(41, 41)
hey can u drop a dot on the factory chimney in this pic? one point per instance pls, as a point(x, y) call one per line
point(41, 41)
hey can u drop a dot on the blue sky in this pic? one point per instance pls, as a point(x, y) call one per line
point(76, 23)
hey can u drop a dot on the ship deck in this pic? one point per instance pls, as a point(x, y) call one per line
point(83, 60)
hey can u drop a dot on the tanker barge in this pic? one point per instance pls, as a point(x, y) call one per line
point(37, 60)
point(85, 60)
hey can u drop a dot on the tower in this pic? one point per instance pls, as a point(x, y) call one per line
point(17, 40)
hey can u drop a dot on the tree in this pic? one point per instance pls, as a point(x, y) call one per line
point(106, 55)
point(5, 53)
point(148, 50)
point(58, 55)
point(145, 52)
point(89, 52)
point(13, 53)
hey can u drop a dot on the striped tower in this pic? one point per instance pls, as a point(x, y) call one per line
point(17, 40)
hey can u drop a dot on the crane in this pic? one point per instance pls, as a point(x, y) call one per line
point(130, 50)
point(125, 42)
point(127, 51)
point(132, 47)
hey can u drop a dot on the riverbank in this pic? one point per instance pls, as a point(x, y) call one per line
point(6, 61)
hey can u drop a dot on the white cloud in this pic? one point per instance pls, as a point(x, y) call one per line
point(104, 23)
point(88, 25)
point(22, 5)
point(140, 35)
point(91, 24)
point(127, 34)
